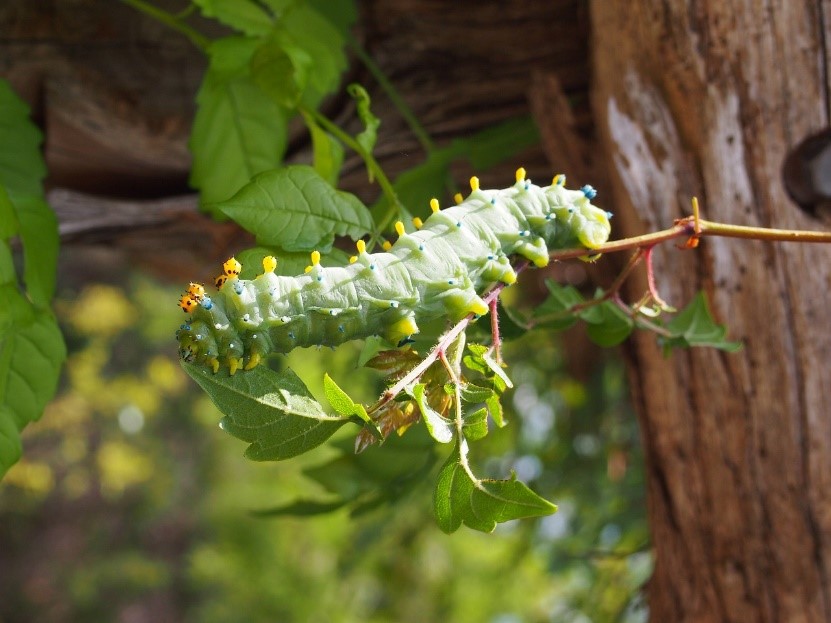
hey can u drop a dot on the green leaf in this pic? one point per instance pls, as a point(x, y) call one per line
point(608, 326)
point(476, 425)
point(238, 130)
point(480, 504)
point(39, 235)
point(440, 428)
point(10, 446)
point(327, 151)
point(31, 353)
point(281, 69)
point(243, 15)
point(323, 42)
point(273, 411)
point(495, 411)
point(369, 136)
point(475, 393)
point(9, 225)
point(498, 371)
point(296, 209)
point(555, 312)
point(694, 326)
point(343, 404)
point(22, 168)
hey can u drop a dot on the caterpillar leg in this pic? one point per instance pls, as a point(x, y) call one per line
point(402, 328)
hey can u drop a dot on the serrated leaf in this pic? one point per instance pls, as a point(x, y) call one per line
point(694, 326)
point(481, 504)
point(394, 363)
point(369, 135)
point(440, 428)
point(495, 410)
point(31, 353)
point(243, 15)
point(327, 151)
point(238, 130)
point(609, 326)
point(273, 411)
point(296, 209)
point(475, 393)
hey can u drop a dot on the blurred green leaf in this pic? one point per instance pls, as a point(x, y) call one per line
point(341, 14)
point(238, 130)
point(481, 504)
point(243, 15)
point(273, 411)
point(608, 324)
point(694, 326)
point(369, 135)
point(10, 446)
point(296, 209)
point(499, 142)
point(301, 508)
point(555, 312)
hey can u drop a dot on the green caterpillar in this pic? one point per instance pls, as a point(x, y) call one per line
point(439, 269)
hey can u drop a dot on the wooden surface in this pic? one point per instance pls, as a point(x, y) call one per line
point(705, 98)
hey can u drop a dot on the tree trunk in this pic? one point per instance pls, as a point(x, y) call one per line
point(705, 98)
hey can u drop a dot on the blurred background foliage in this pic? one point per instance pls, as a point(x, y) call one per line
point(130, 504)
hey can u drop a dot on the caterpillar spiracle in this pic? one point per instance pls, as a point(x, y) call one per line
point(441, 268)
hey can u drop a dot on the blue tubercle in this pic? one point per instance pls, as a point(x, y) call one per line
point(589, 191)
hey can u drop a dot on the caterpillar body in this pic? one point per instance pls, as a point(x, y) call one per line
point(439, 269)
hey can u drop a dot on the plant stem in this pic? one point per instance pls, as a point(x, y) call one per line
point(175, 22)
point(404, 110)
point(372, 165)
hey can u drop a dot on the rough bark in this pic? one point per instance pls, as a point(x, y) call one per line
point(705, 98)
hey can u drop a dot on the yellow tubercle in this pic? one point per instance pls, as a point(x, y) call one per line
point(361, 245)
point(232, 267)
point(520, 174)
point(386, 245)
point(196, 291)
point(353, 259)
point(308, 269)
point(401, 329)
point(509, 278)
point(253, 362)
point(269, 264)
point(458, 198)
point(479, 307)
point(418, 223)
point(541, 261)
point(399, 228)
point(434, 205)
point(559, 180)
point(474, 183)
point(315, 258)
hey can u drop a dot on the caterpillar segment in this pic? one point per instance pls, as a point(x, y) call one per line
point(439, 269)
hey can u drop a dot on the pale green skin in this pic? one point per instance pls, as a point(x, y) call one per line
point(439, 270)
